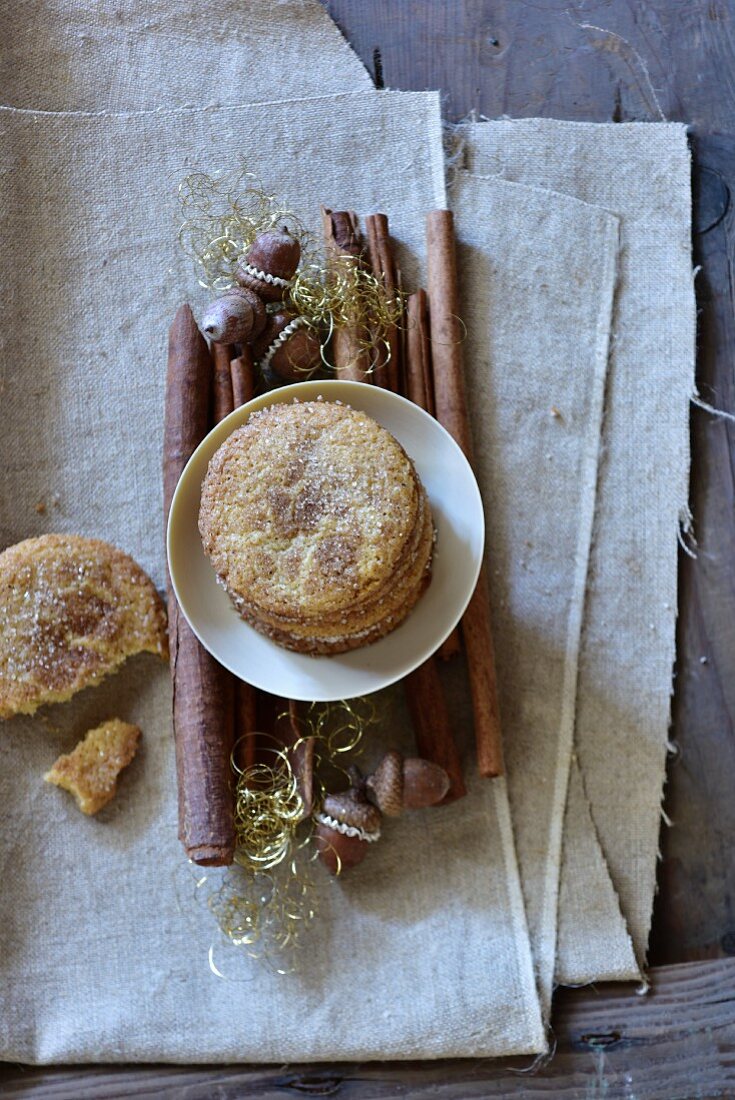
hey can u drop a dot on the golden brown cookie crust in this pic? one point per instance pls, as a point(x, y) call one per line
point(91, 771)
point(361, 625)
point(72, 610)
point(317, 526)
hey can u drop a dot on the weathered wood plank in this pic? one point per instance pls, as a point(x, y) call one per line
point(676, 1043)
point(694, 916)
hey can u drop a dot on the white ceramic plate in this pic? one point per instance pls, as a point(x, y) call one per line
point(457, 509)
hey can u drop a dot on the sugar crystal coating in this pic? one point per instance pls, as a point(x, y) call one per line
point(71, 610)
point(317, 525)
point(91, 771)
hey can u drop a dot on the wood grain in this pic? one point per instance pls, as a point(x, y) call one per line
point(694, 914)
point(676, 1043)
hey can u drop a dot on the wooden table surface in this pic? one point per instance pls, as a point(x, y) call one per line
point(589, 60)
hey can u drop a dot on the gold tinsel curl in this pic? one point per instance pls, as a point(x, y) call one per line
point(269, 897)
point(222, 216)
point(340, 727)
point(342, 294)
point(265, 913)
point(268, 808)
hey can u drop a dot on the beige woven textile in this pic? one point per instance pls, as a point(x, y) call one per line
point(105, 951)
point(641, 173)
point(592, 940)
point(61, 55)
point(104, 958)
point(538, 274)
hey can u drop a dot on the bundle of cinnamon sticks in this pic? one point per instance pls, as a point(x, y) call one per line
point(429, 371)
point(421, 359)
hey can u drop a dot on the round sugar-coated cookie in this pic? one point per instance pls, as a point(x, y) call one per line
point(310, 513)
point(72, 610)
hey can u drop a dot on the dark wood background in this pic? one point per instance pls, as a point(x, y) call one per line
point(589, 60)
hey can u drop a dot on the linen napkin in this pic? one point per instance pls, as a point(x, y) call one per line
point(424, 951)
point(641, 173)
point(592, 940)
point(538, 273)
point(60, 55)
point(174, 54)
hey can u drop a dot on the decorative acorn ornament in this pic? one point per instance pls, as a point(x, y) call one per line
point(288, 346)
point(234, 318)
point(346, 826)
point(405, 783)
point(270, 264)
point(349, 822)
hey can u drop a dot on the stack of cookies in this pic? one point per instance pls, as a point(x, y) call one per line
point(318, 526)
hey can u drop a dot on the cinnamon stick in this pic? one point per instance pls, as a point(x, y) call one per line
point(451, 411)
point(241, 373)
point(242, 377)
point(246, 723)
point(380, 254)
point(432, 725)
point(446, 329)
point(222, 386)
point(418, 353)
point(342, 238)
point(202, 689)
point(302, 758)
point(423, 688)
point(288, 731)
point(450, 647)
point(420, 390)
point(424, 693)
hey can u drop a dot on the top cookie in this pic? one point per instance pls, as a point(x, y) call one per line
point(72, 609)
point(308, 510)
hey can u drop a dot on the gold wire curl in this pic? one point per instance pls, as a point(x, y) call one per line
point(342, 294)
point(222, 216)
point(265, 913)
point(268, 899)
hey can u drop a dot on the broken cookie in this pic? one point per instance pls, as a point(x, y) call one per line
point(91, 771)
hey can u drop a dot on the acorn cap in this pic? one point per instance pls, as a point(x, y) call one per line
point(353, 809)
point(385, 786)
point(270, 264)
point(235, 317)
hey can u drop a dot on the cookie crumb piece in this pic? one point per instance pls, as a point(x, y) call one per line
point(90, 771)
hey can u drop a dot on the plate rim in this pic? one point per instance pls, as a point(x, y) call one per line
point(285, 394)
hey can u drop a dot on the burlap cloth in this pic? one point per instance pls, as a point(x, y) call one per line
point(60, 55)
point(423, 952)
point(641, 173)
point(538, 274)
